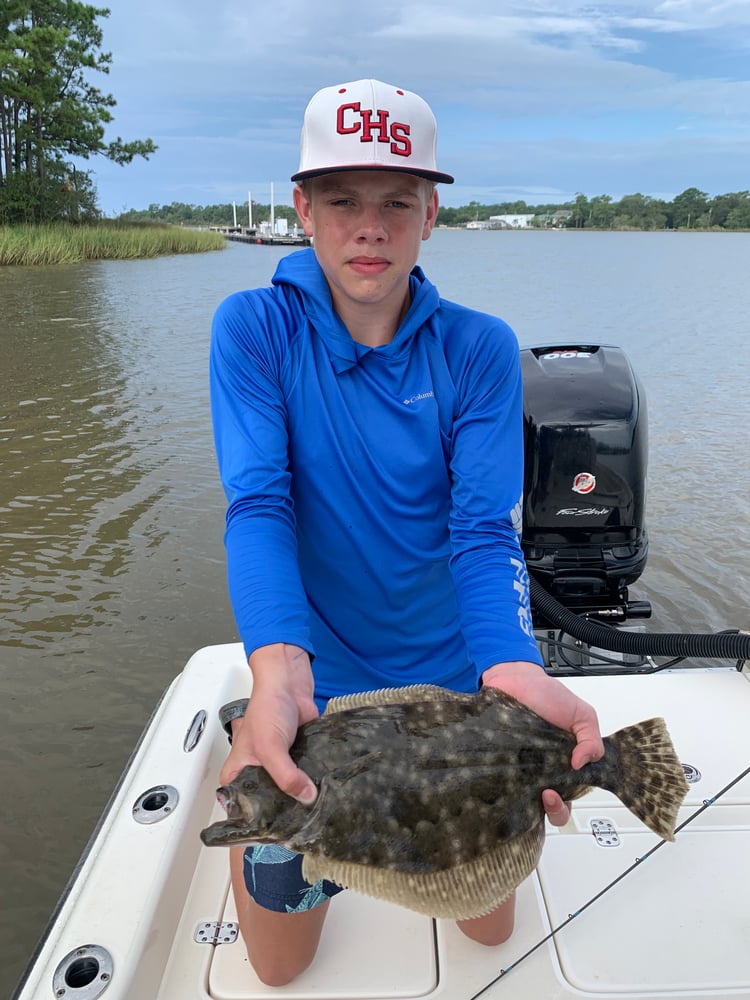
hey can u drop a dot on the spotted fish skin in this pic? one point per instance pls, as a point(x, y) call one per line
point(438, 794)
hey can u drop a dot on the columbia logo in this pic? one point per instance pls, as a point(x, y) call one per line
point(420, 395)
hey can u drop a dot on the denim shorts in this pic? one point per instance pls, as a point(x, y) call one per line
point(273, 876)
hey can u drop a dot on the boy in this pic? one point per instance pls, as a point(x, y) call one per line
point(369, 436)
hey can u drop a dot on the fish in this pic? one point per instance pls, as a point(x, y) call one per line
point(432, 799)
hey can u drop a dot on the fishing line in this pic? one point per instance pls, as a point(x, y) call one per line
point(638, 861)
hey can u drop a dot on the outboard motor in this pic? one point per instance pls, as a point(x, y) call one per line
point(586, 441)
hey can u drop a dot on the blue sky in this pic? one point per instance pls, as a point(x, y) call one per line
point(534, 99)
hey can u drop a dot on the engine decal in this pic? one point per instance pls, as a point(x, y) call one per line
point(584, 482)
point(582, 511)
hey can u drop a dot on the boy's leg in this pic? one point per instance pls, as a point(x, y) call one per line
point(280, 945)
point(494, 927)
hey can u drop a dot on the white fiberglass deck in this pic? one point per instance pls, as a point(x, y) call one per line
point(676, 927)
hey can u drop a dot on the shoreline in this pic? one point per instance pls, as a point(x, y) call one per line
point(61, 243)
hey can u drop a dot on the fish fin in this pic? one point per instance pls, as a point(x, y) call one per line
point(467, 890)
point(395, 696)
point(651, 780)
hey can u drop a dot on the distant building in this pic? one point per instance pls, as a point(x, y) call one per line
point(521, 221)
point(280, 228)
point(555, 220)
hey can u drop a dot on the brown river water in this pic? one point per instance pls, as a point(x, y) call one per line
point(111, 513)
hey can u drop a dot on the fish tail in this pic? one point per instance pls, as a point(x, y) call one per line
point(648, 777)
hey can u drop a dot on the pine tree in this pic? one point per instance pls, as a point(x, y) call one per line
point(51, 112)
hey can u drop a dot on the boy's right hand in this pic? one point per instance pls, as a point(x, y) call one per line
point(281, 701)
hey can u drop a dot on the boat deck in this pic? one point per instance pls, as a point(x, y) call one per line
point(677, 926)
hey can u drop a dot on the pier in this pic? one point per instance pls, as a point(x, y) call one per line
point(245, 235)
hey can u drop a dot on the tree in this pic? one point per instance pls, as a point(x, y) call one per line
point(50, 112)
point(580, 212)
point(602, 211)
point(723, 204)
point(688, 208)
point(639, 211)
point(739, 216)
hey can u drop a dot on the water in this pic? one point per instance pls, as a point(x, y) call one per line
point(111, 514)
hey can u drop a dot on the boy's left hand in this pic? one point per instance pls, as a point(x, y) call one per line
point(548, 697)
point(545, 695)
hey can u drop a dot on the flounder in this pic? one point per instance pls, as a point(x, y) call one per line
point(432, 799)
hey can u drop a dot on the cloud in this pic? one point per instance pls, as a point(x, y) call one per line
point(696, 15)
point(540, 87)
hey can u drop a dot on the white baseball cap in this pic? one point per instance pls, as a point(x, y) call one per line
point(368, 125)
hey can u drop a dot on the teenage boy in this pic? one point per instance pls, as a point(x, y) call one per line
point(369, 437)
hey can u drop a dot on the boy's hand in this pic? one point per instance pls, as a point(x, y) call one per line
point(550, 699)
point(281, 701)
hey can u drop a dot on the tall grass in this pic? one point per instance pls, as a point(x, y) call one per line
point(63, 244)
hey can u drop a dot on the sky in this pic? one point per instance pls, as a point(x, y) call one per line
point(535, 99)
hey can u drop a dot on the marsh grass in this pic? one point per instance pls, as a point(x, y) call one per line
point(63, 244)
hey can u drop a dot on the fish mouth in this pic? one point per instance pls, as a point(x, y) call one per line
point(237, 827)
point(228, 831)
point(227, 802)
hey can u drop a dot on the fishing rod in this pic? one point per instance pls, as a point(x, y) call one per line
point(638, 861)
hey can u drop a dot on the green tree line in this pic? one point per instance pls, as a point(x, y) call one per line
point(693, 209)
point(51, 112)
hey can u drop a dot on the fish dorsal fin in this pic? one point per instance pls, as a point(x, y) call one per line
point(468, 890)
point(395, 696)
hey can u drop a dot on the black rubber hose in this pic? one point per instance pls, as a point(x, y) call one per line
point(713, 645)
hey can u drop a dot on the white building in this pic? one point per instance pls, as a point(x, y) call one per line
point(511, 221)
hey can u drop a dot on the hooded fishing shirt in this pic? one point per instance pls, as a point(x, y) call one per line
point(373, 492)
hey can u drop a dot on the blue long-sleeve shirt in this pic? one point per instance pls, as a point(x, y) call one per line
point(374, 493)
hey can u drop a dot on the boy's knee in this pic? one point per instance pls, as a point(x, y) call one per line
point(487, 936)
point(278, 970)
point(494, 928)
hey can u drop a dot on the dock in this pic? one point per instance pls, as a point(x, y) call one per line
point(244, 235)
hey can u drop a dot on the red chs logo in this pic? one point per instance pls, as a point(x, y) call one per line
point(351, 118)
point(584, 482)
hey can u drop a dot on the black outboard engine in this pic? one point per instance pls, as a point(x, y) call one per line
point(586, 440)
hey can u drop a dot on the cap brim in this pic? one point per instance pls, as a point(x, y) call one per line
point(430, 175)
